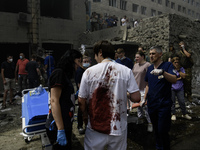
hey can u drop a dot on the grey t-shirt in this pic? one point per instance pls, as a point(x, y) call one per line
point(139, 71)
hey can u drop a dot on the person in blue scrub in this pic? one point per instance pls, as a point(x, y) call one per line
point(122, 59)
point(49, 64)
point(159, 77)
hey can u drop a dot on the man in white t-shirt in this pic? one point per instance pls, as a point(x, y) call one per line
point(103, 99)
point(124, 21)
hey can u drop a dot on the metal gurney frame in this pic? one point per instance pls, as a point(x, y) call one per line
point(42, 132)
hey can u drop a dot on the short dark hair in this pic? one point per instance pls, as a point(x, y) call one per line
point(67, 63)
point(33, 56)
point(120, 50)
point(106, 48)
point(141, 54)
point(8, 55)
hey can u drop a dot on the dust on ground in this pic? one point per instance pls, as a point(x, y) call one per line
point(184, 134)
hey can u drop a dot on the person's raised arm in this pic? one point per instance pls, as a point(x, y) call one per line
point(185, 52)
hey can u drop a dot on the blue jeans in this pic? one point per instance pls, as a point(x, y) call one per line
point(161, 120)
point(181, 101)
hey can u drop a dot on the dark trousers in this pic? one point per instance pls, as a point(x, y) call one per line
point(22, 79)
point(33, 83)
point(187, 82)
point(80, 118)
point(181, 101)
point(52, 135)
point(161, 120)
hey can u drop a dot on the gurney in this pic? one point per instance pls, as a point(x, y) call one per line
point(34, 113)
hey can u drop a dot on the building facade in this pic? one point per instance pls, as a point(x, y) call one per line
point(139, 9)
point(29, 25)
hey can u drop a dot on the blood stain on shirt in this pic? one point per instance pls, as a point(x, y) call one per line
point(100, 110)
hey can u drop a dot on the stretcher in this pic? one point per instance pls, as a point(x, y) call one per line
point(34, 113)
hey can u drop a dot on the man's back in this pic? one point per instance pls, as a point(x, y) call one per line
point(49, 61)
point(126, 61)
point(31, 67)
point(107, 83)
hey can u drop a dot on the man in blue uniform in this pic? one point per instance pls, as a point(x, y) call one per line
point(159, 77)
point(124, 60)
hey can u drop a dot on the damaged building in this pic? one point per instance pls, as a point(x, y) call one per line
point(161, 30)
point(31, 25)
point(139, 9)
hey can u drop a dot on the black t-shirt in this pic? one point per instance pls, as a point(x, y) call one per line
point(31, 67)
point(9, 69)
point(78, 75)
point(59, 79)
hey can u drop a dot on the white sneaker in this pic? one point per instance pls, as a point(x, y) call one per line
point(150, 127)
point(173, 117)
point(187, 117)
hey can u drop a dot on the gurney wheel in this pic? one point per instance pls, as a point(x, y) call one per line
point(28, 139)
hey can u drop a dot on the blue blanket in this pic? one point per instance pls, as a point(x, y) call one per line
point(35, 109)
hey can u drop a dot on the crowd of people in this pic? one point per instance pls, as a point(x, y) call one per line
point(106, 91)
point(24, 74)
point(99, 22)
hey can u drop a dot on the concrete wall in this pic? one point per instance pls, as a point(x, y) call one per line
point(52, 30)
point(55, 30)
point(10, 29)
point(161, 31)
point(189, 31)
point(114, 33)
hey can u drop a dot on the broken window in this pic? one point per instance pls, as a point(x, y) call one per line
point(193, 2)
point(189, 12)
point(56, 8)
point(184, 10)
point(179, 7)
point(159, 1)
point(159, 13)
point(113, 3)
point(197, 4)
point(135, 8)
point(143, 10)
point(167, 3)
point(153, 12)
point(123, 4)
point(197, 16)
point(13, 6)
point(193, 13)
point(172, 5)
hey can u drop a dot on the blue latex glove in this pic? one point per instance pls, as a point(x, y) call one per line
point(61, 138)
point(76, 95)
point(51, 127)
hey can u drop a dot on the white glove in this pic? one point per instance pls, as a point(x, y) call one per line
point(142, 102)
point(183, 47)
point(157, 72)
point(41, 78)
